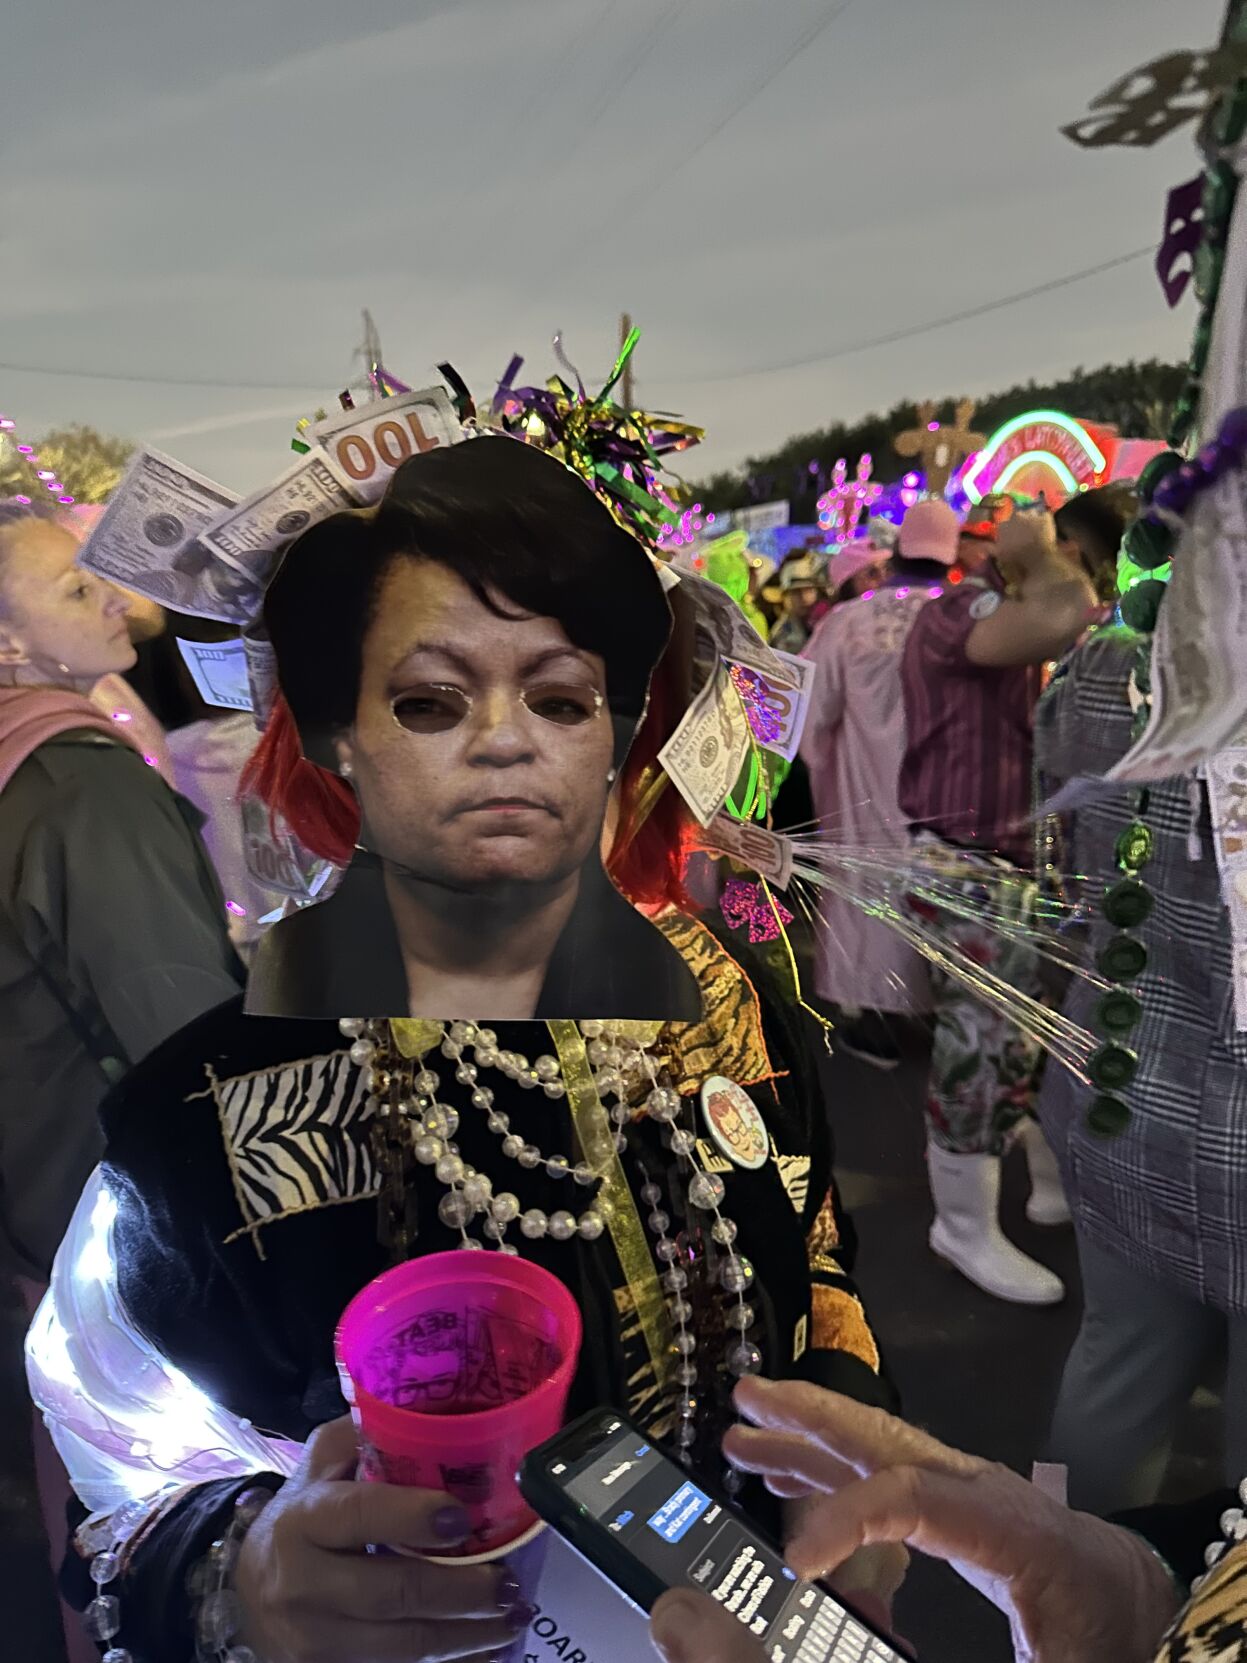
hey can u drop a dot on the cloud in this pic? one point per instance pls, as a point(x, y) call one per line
point(222, 424)
point(244, 178)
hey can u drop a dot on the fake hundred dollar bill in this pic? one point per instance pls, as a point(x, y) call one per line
point(149, 539)
point(727, 633)
point(220, 672)
point(253, 536)
point(277, 860)
point(261, 672)
point(768, 853)
point(705, 755)
point(370, 443)
point(776, 710)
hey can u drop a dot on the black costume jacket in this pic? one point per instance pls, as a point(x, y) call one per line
point(248, 1217)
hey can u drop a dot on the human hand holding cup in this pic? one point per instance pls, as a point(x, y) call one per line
point(456, 1366)
point(311, 1591)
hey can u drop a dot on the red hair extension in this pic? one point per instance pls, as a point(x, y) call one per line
point(320, 809)
point(648, 861)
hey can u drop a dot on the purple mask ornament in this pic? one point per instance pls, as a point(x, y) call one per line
point(748, 903)
point(1184, 230)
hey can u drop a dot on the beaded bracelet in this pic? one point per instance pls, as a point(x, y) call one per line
point(218, 1616)
point(106, 1540)
point(218, 1613)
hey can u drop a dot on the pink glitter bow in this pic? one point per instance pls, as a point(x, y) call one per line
point(748, 903)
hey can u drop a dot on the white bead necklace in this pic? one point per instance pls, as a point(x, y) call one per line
point(620, 1067)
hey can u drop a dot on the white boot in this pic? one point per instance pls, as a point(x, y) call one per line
point(1047, 1204)
point(967, 1234)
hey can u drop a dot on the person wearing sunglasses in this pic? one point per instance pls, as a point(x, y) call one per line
point(471, 658)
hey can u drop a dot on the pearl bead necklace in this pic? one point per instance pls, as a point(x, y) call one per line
point(1234, 1530)
point(619, 1067)
point(705, 1192)
point(434, 1125)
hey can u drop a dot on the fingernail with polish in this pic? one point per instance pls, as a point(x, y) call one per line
point(451, 1524)
point(508, 1591)
point(521, 1615)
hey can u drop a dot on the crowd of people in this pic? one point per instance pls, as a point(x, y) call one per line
point(453, 667)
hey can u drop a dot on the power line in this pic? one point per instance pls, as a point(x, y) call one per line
point(918, 328)
point(668, 17)
point(760, 86)
point(576, 47)
point(167, 380)
point(684, 381)
point(755, 90)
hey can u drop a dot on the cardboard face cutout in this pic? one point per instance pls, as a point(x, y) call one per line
point(490, 668)
point(495, 686)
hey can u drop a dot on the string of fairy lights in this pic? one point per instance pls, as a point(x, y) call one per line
point(46, 477)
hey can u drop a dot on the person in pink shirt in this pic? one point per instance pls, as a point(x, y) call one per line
point(853, 744)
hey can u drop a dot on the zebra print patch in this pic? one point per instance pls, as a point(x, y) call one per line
point(295, 1138)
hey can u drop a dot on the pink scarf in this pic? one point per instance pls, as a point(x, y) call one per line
point(30, 716)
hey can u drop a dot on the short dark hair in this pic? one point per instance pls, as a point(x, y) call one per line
point(1097, 518)
point(509, 521)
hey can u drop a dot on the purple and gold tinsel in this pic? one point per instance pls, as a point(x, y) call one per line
point(618, 452)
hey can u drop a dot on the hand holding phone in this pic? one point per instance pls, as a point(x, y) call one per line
point(638, 1517)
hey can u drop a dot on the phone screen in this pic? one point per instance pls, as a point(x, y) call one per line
point(662, 1518)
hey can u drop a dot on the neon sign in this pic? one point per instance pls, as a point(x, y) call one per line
point(1045, 438)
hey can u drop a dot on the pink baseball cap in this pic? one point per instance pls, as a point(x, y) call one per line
point(853, 558)
point(929, 532)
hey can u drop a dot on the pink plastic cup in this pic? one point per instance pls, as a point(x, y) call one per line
point(455, 1366)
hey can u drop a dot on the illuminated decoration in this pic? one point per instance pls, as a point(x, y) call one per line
point(683, 532)
point(1042, 452)
point(896, 499)
point(1044, 457)
point(939, 448)
point(841, 508)
point(127, 1423)
point(46, 477)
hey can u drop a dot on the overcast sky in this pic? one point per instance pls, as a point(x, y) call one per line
point(213, 190)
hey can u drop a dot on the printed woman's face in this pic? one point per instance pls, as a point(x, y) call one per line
point(481, 744)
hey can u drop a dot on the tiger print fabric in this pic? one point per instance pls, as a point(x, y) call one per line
point(728, 1039)
point(1213, 1627)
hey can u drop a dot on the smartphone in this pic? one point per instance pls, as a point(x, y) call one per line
point(638, 1517)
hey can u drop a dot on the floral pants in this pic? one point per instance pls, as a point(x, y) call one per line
point(984, 1069)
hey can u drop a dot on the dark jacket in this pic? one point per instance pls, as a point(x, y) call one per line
point(342, 956)
point(241, 1158)
point(112, 936)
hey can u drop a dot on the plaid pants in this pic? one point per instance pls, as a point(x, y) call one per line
point(984, 1069)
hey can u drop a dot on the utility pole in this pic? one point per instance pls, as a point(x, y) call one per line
point(628, 389)
point(370, 351)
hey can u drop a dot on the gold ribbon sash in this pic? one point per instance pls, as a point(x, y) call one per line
point(593, 1131)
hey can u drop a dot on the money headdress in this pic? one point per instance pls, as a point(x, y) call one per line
point(721, 704)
